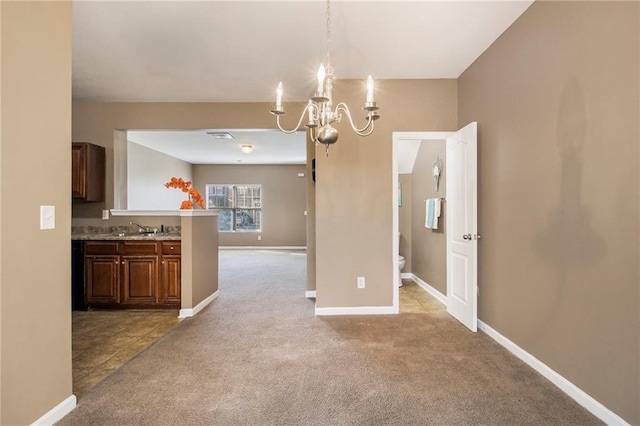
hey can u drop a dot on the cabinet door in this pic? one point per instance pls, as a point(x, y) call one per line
point(139, 280)
point(102, 279)
point(78, 172)
point(87, 171)
point(170, 288)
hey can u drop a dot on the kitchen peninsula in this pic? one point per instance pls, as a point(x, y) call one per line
point(176, 269)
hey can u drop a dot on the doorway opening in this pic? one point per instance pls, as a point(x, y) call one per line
point(268, 211)
point(408, 157)
point(461, 230)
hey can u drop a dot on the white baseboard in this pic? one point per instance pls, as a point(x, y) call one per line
point(189, 312)
point(262, 247)
point(406, 275)
point(580, 396)
point(432, 291)
point(57, 412)
point(310, 294)
point(356, 310)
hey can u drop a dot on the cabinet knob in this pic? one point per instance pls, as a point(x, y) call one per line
point(171, 247)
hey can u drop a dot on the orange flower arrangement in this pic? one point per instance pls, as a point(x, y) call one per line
point(185, 186)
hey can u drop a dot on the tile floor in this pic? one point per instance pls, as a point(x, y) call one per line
point(414, 299)
point(104, 340)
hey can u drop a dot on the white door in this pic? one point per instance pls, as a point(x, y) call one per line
point(462, 225)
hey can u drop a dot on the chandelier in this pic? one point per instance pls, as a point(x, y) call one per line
point(319, 111)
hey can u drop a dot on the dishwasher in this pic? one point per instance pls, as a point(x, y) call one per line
point(77, 276)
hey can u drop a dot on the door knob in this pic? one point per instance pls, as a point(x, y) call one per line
point(466, 237)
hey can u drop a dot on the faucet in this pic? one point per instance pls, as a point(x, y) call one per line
point(141, 229)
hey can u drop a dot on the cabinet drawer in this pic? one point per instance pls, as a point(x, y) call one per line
point(101, 247)
point(139, 247)
point(171, 248)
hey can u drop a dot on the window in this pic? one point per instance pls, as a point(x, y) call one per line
point(240, 206)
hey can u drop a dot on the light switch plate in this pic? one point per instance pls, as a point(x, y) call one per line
point(47, 217)
point(105, 214)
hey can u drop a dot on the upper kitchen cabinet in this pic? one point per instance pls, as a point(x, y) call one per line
point(87, 171)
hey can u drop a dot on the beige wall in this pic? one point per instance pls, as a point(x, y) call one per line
point(556, 99)
point(283, 201)
point(147, 172)
point(355, 166)
point(354, 189)
point(199, 264)
point(1, 141)
point(36, 170)
point(429, 246)
point(97, 121)
point(311, 218)
point(404, 219)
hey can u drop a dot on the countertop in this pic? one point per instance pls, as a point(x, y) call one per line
point(118, 236)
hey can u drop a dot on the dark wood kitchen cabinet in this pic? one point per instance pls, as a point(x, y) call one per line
point(102, 279)
point(87, 171)
point(171, 270)
point(139, 280)
point(133, 274)
point(102, 272)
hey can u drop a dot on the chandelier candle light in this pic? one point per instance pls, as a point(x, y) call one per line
point(319, 111)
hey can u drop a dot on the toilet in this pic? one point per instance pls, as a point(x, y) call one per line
point(401, 262)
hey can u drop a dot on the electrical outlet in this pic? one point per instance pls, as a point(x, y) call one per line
point(105, 214)
point(360, 282)
point(259, 237)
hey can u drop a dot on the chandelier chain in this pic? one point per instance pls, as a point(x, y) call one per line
point(319, 112)
point(328, 44)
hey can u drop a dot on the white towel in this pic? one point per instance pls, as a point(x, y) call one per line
point(432, 213)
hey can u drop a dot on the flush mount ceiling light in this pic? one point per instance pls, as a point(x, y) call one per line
point(320, 115)
point(247, 149)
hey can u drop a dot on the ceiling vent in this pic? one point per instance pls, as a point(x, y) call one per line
point(220, 135)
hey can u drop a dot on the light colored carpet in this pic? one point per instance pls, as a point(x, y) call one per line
point(258, 356)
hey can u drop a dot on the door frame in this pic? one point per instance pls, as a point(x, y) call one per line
point(398, 137)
